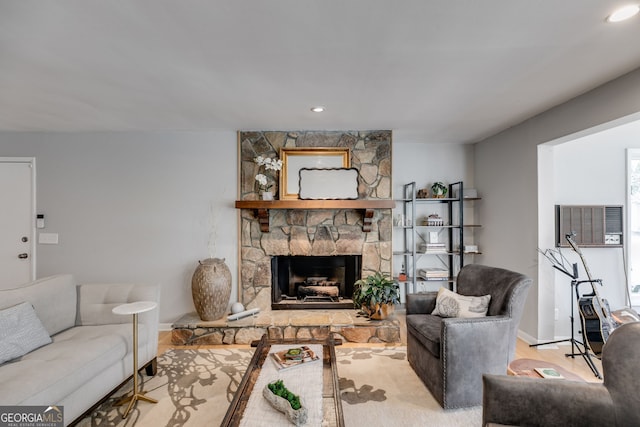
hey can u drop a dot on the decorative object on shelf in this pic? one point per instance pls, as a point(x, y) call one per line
point(403, 275)
point(439, 190)
point(328, 184)
point(266, 180)
point(433, 273)
point(376, 296)
point(211, 288)
point(423, 193)
point(433, 247)
point(469, 193)
point(295, 159)
point(285, 401)
point(434, 220)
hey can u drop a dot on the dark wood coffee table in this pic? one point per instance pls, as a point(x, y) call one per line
point(331, 403)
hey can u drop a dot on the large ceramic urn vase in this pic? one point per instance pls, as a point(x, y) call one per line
point(211, 288)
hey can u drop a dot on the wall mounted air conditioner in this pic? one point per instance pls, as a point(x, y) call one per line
point(594, 226)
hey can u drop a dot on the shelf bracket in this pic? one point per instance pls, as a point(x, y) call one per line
point(263, 219)
point(367, 220)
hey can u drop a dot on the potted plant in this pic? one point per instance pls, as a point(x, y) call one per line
point(277, 394)
point(439, 190)
point(264, 179)
point(376, 296)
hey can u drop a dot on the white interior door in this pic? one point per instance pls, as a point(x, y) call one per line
point(17, 221)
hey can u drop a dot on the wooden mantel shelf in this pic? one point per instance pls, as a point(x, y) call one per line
point(263, 206)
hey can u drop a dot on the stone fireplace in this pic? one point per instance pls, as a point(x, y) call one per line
point(318, 230)
point(301, 232)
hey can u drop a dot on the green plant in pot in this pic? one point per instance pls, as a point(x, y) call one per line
point(439, 190)
point(376, 295)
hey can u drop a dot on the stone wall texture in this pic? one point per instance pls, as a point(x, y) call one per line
point(313, 232)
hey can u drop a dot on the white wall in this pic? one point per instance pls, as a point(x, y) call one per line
point(506, 171)
point(592, 171)
point(426, 163)
point(140, 206)
point(134, 206)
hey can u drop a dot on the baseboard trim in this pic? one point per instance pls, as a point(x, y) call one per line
point(532, 340)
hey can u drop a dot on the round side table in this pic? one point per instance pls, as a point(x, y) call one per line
point(134, 309)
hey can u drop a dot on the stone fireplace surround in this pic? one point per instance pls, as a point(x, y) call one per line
point(306, 232)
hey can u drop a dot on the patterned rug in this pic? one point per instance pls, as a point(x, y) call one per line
point(194, 388)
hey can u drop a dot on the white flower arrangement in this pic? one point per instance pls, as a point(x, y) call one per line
point(269, 165)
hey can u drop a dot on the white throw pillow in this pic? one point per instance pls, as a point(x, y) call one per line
point(451, 304)
point(20, 331)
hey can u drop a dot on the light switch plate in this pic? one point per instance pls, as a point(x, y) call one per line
point(48, 238)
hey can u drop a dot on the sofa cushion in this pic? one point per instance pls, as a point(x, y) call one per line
point(451, 304)
point(53, 298)
point(20, 331)
point(427, 329)
point(97, 301)
point(45, 376)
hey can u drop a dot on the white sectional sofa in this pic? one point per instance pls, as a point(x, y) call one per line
point(90, 353)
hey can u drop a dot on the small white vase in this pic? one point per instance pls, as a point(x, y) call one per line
point(267, 195)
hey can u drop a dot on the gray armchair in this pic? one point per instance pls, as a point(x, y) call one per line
point(539, 402)
point(450, 355)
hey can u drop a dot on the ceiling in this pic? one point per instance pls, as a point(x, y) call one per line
point(436, 71)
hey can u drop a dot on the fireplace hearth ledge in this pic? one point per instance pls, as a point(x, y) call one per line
point(348, 324)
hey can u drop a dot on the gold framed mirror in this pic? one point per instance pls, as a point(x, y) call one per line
point(294, 159)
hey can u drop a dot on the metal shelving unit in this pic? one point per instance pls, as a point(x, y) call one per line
point(453, 255)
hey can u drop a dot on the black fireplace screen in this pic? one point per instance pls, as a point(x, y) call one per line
point(300, 280)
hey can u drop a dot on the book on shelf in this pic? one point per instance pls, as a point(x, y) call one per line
point(548, 373)
point(433, 273)
point(294, 356)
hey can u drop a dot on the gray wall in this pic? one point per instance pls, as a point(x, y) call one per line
point(506, 168)
point(134, 206)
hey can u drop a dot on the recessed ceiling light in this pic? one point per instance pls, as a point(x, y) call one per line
point(318, 109)
point(623, 13)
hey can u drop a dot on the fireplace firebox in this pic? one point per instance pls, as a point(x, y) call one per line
point(308, 282)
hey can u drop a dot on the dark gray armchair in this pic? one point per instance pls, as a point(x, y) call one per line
point(450, 355)
point(538, 402)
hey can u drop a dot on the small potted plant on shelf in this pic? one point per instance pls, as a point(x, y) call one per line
point(439, 190)
point(376, 296)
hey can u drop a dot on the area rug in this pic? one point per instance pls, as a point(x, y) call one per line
point(194, 388)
